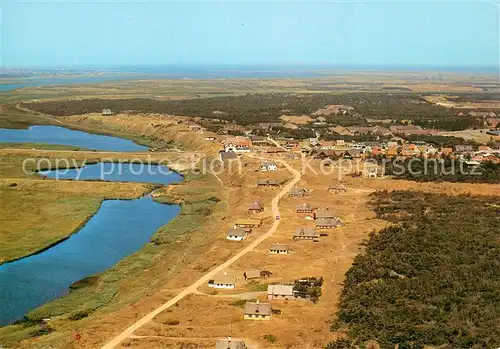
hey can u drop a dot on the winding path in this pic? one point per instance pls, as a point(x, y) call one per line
point(205, 278)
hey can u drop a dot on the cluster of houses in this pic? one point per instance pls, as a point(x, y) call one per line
point(324, 220)
point(259, 310)
point(282, 291)
point(382, 130)
point(339, 149)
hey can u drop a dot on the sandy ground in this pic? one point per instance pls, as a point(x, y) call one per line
point(476, 135)
point(199, 319)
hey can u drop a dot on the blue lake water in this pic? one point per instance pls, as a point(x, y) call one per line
point(118, 229)
point(118, 172)
point(65, 136)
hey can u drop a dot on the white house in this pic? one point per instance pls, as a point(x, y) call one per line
point(238, 144)
point(223, 281)
point(236, 148)
point(280, 291)
point(279, 249)
point(268, 166)
point(236, 234)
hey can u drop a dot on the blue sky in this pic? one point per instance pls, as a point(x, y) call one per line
point(66, 33)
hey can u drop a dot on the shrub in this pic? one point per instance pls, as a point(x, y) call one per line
point(78, 315)
point(42, 331)
point(340, 344)
point(270, 338)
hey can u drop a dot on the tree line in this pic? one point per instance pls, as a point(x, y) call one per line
point(431, 279)
point(254, 108)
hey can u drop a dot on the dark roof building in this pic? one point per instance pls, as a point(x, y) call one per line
point(227, 155)
point(304, 234)
point(328, 223)
point(257, 310)
point(297, 192)
point(324, 214)
point(305, 208)
point(279, 249)
point(255, 207)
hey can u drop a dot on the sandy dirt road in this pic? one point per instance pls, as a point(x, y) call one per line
point(205, 278)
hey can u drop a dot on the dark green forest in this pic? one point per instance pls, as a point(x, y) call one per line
point(432, 278)
point(254, 108)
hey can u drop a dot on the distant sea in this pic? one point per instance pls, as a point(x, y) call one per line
point(91, 74)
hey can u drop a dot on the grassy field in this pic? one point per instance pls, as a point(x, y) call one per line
point(38, 213)
point(135, 276)
point(332, 81)
point(32, 220)
point(194, 242)
point(11, 117)
point(33, 208)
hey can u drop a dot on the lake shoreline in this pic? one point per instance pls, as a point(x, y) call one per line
point(83, 224)
point(74, 231)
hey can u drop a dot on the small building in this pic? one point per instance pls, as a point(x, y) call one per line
point(337, 188)
point(257, 311)
point(268, 183)
point(273, 183)
point(391, 151)
point(330, 154)
point(280, 291)
point(464, 148)
point(305, 208)
point(268, 166)
point(223, 281)
point(255, 207)
point(483, 148)
point(227, 155)
point(324, 214)
point(262, 183)
point(447, 151)
point(251, 274)
point(279, 249)
point(275, 150)
point(238, 144)
point(305, 234)
point(353, 154)
point(297, 192)
point(258, 140)
point(236, 234)
point(492, 122)
point(248, 223)
point(229, 343)
point(328, 223)
point(327, 145)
